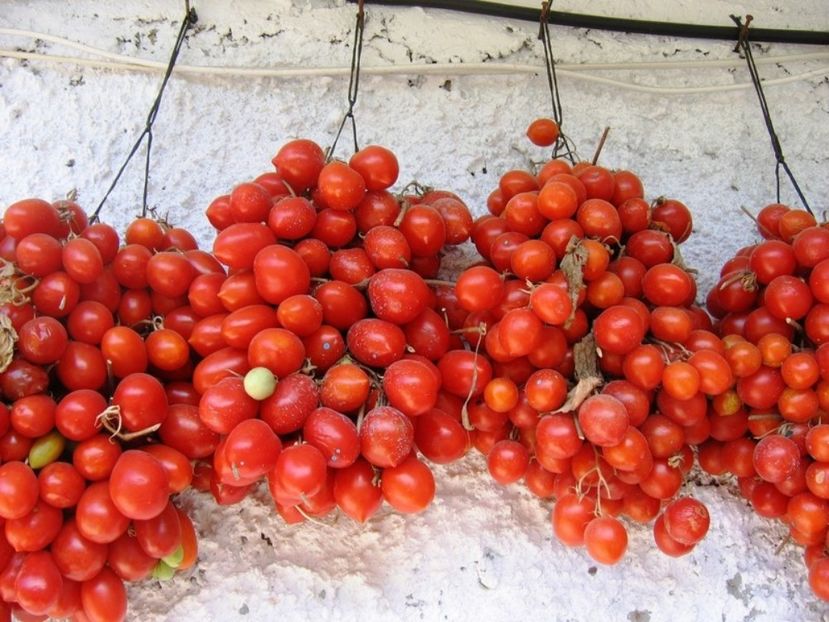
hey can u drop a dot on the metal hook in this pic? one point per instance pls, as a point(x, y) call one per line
point(742, 32)
point(543, 18)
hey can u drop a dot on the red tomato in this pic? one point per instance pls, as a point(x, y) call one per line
point(386, 436)
point(159, 536)
point(184, 431)
point(18, 490)
point(226, 404)
point(237, 245)
point(408, 487)
point(334, 434)
point(356, 492)
point(376, 165)
point(252, 448)
point(77, 557)
point(139, 485)
point(38, 583)
point(279, 272)
point(128, 560)
point(299, 162)
point(104, 598)
point(97, 517)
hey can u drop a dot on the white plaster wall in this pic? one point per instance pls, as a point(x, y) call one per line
point(480, 552)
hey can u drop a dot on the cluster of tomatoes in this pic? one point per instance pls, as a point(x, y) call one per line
point(324, 359)
point(315, 348)
point(596, 369)
point(771, 305)
point(305, 349)
point(84, 488)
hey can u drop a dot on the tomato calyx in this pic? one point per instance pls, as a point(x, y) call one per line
point(110, 420)
point(588, 376)
point(572, 265)
point(8, 339)
point(15, 286)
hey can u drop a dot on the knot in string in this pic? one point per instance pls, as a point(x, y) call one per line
point(563, 146)
point(743, 46)
point(353, 82)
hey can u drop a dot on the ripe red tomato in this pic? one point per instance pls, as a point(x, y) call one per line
point(507, 461)
point(570, 517)
point(128, 560)
point(38, 583)
point(176, 465)
point(386, 436)
point(139, 485)
point(237, 245)
point(18, 490)
point(411, 386)
point(300, 471)
point(293, 400)
point(376, 165)
point(184, 431)
point(159, 536)
point(299, 163)
point(77, 557)
point(356, 491)
point(292, 218)
point(543, 132)
point(97, 517)
point(686, 520)
point(375, 342)
point(226, 404)
point(408, 487)
point(170, 273)
point(252, 448)
point(104, 598)
point(606, 539)
point(31, 216)
point(35, 530)
point(250, 202)
point(334, 434)
point(279, 272)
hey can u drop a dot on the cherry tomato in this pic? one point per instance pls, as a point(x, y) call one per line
point(139, 485)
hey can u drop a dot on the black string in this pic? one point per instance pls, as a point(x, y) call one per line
point(353, 82)
point(563, 146)
point(190, 18)
point(744, 46)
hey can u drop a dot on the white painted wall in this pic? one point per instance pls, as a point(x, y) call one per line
point(480, 552)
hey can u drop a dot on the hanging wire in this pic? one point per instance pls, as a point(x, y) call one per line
point(190, 18)
point(744, 46)
point(563, 146)
point(353, 82)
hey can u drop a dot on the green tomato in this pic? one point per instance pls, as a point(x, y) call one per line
point(163, 572)
point(174, 559)
point(46, 449)
point(260, 383)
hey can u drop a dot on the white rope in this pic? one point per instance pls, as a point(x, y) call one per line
point(456, 69)
point(576, 71)
point(735, 61)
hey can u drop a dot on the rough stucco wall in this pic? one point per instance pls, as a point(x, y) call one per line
point(480, 552)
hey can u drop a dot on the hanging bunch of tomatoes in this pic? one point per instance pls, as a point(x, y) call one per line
point(305, 349)
point(772, 305)
point(85, 486)
point(324, 356)
point(602, 366)
point(315, 351)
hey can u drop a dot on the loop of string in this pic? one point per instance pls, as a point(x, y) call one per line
point(189, 19)
point(563, 146)
point(744, 46)
point(353, 82)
